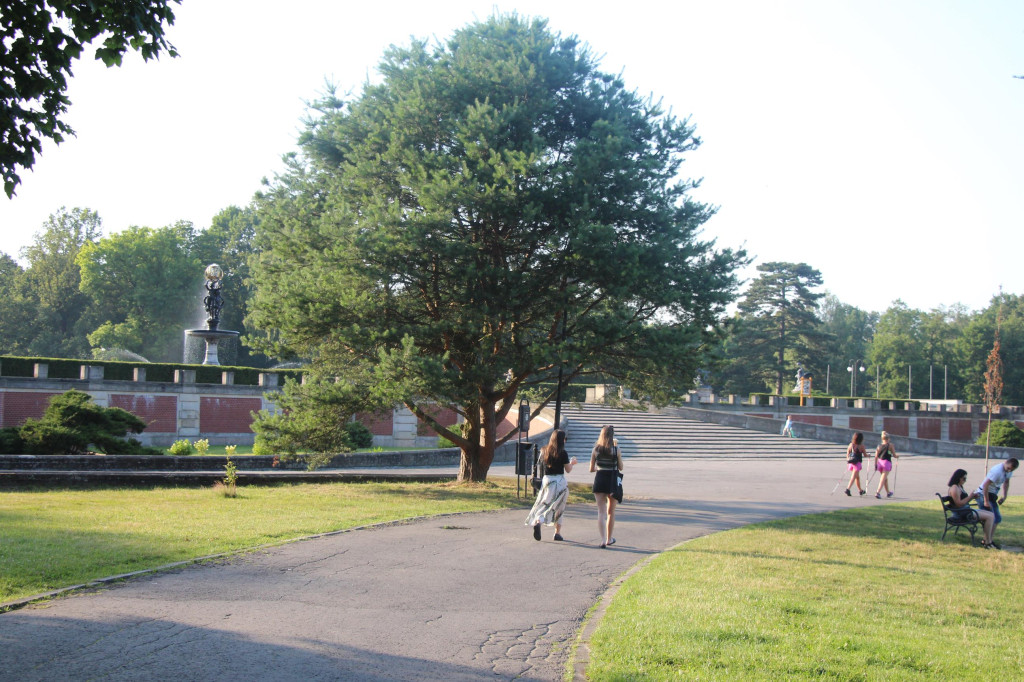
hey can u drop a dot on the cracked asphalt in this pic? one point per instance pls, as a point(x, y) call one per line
point(460, 597)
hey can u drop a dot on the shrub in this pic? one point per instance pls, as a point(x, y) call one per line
point(229, 450)
point(358, 435)
point(73, 423)
point(202, 446)
point(180, 448)
point(1004, 434)
point(11, 442)
point(261, 447)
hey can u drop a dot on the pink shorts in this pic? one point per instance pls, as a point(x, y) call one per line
point(885, 465)
point(855, 467)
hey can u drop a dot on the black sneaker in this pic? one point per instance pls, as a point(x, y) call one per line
point(536, 531)
point(558, 538)
point(847, 491)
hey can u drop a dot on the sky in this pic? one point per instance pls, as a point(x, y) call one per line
point(879, 141)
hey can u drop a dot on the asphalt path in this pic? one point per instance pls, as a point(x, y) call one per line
point(459, 597)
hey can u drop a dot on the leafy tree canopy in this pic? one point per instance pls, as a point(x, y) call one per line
point(39, 40)
point(146, 286)
point(778, 322)
point(494, 209)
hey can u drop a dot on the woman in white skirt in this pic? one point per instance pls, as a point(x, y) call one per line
point(554, 490)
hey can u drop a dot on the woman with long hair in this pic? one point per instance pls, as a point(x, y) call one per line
point(606, 461)
point(960, 502)
point(883, 464)
point(554, 490)
point(855, 461)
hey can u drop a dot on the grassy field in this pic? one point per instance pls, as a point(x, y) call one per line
point(56, 538)
point(865, 594)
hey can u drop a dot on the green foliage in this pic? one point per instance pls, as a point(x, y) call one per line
point(311, 418)
point(41, 39)
point(230, 479)
point(776, 329)
point(493, 210)
point(72, 423)
point(180, 448)
point(358, 435)
point(202, 446)
point(124, 371)
point(52, 282)
point(1003, 434)
point(11, 442)
point(146, 287)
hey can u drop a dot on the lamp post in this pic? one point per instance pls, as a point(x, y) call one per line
point(854, 367)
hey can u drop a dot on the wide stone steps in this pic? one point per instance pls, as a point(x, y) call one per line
point(644, 434)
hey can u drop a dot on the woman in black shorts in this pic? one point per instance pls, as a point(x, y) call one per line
point(606, 460)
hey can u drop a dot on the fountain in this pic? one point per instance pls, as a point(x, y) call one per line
point(213, 304)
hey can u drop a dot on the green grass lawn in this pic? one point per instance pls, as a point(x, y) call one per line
point(865, 594)
point(56, 538)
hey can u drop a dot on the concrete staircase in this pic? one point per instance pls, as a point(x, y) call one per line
point(643, 434)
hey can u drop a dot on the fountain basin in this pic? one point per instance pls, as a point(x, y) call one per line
point(207, 342)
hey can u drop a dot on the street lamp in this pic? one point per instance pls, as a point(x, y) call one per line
point(854, 367)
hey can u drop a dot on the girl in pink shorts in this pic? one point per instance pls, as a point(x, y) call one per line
point(883, 464)
point(854, 459)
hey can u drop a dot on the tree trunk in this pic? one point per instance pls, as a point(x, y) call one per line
point(477, 458)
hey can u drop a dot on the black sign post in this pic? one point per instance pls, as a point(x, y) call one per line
point(524, 448)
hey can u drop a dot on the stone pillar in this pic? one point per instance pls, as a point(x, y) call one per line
point(184, 376)
point(90, 372)
point(268, 379)
point(404, 428)
point(40, 370)
point(227, 378)
point(139, 374)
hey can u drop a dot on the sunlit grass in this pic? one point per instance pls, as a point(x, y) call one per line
point(866, 594)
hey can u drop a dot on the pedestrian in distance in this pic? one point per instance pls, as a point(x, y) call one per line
point(787, 429)
point(606, 462)
point(854, 461)
point(554, 490)
point(960, 503)
point(884, 455)
point(998, 476)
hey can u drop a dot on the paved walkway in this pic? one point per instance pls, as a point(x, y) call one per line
point(464, 597)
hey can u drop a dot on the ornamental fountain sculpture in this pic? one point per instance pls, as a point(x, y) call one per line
point(213, 303)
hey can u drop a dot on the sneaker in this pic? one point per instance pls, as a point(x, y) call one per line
point(889, 494)
point(863, 492)
point(536, 531)
point(558, 538)
point(847, 491)
point(996, 545)
point(878, 496)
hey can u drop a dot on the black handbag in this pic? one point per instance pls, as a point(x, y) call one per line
point(618, 487)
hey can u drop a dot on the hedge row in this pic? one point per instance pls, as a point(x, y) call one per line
point(119, 370)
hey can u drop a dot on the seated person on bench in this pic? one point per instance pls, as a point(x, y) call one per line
point(961, 501)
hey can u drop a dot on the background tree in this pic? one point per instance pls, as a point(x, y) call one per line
point(494, 209)
point(780, 322)
point(846, 337)
point(40, 39)
point(53, 278)
point(15, 309)
point(940, 330)
point(898, 345)
point(147, 287)
point(975, 344)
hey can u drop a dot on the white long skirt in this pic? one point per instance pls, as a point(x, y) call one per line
point(551, 499)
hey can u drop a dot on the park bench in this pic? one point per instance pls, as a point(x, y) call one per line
point(957, 521)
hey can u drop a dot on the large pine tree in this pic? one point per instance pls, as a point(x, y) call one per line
point(494, 209)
